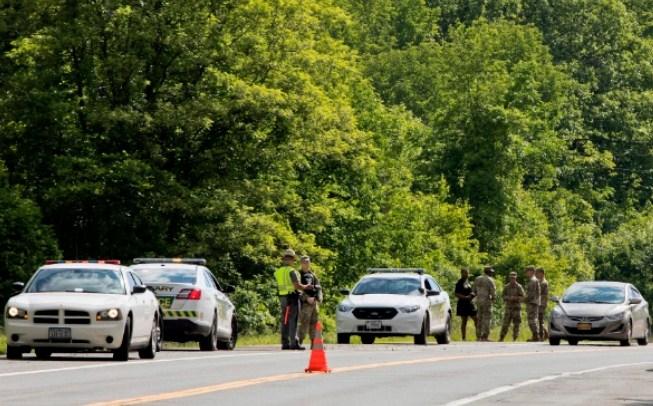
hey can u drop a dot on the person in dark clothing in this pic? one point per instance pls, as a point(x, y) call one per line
point(465, 307)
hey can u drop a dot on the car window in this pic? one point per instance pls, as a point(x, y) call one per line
point(136, 279)
point(167, 275)
point(209, 281)
point(130, 282)
point(427, 284)
point(388, 286)
point(77, 280)
point(594, 294)
point(635, 293)
point(435, 285)
point(217, 284)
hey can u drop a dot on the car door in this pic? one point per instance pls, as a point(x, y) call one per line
point(224, 306)
point(150, 303)
point(137, 304)
point(212, 303)
point(638, 312)
point(435, 303)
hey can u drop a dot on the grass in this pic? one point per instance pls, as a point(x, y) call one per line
point(3, 342)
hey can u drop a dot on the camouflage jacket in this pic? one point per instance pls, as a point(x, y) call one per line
point(513, 296)
point(484, 289)
point(533, 292)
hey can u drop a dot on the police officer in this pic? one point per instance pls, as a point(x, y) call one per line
point(532, 301)
point(544, 298)
point(312, 295)
point(513, 296)
point(485, 293)
point(288, 284)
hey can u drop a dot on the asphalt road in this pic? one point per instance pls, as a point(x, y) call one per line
point(455, 374)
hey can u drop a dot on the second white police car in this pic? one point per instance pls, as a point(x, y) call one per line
point(70, 306)
point(195, 305)
point(395, 302)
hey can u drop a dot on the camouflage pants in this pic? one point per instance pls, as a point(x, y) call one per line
point(307, 320)
point(512, 315)
point(484, 316)
point(540, 322)
point(531, 313)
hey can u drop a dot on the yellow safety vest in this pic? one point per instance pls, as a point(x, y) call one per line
point(284, 283)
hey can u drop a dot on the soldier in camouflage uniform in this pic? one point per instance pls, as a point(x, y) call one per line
point(544, 298)
point(513, 296)
point(485, 293)
point(532, 301)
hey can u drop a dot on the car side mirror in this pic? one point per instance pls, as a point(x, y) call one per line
point(554, 299)
point(18, 285)
point(228, 289)
point(344, 292)
point(635, 300)
point(139, 289)
point(432, 293)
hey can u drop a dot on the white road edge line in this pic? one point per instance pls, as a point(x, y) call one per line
point(135, 363)
point(508, 388)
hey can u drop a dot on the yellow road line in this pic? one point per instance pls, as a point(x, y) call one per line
point(292, 376)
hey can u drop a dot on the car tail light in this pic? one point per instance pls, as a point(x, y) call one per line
point(190, 294)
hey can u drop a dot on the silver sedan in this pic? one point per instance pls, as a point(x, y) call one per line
point(600, 311)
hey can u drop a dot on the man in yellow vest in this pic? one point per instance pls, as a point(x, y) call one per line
point(288, 284)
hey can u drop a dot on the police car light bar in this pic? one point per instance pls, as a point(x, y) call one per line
point(396, 270)
point(192, 261)
point(85, 261)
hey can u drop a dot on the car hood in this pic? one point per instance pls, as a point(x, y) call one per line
point(384, 300)
point(591, 309)
point(67, 299)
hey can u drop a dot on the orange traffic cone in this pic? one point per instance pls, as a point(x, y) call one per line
point(318, 362)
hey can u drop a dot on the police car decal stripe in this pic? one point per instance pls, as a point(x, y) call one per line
point(179, 313)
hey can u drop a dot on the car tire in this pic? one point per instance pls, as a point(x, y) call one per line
point(343, 338)
point(210, 342)
point(629, 333)
point(122, 353)
point(14, 352)
point(159, 338)
point(230, 344)
point(149, 352)
point(422, 337)
point(367, 339)
point(42, 353)
point(644, 340)
point(445, 337)
point(554, 340)
point(572, 341)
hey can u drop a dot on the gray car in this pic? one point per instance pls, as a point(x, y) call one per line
point(600, 311)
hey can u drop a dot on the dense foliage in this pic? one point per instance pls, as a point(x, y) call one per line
point(440, 133)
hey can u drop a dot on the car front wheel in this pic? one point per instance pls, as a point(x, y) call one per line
point(554, 340)
point(629, 333)
point(149, 352)
point(122, 353)
point(644, 340)
point(367, 339)
point(422, 337)
point(445, 337)
point(343, 338)
point(14, 352)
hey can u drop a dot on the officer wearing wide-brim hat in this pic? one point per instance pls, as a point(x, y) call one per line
point(288, 286)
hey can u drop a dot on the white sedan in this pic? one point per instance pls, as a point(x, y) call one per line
point(395, 302)
point(70, 306)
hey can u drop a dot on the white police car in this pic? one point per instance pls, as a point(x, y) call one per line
point(195, 305)
point(395, 302)
point(70, 306)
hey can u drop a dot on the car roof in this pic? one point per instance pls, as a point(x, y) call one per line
point(602, 283)
point(164, 265)
point(83, 265)
point(393, 275)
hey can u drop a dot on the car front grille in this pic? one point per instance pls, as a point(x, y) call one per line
point(375, 313)
point(590, 319)
point(46, 316)
point(51, 316)
point(574, 330)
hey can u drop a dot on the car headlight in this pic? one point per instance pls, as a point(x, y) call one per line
point(109, 314)
point(344, 308)
point(14, 312)
point(409, 309)
point(557, 314)
point(616, 316)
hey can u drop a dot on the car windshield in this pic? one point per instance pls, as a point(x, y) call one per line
point(594, 294)
point(77, 280)
point(388, 286)
point(167, 275)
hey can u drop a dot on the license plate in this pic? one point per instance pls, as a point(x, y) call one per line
point(59, 333)
point(584, 326)
point(373, 325)
point(165, 302)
